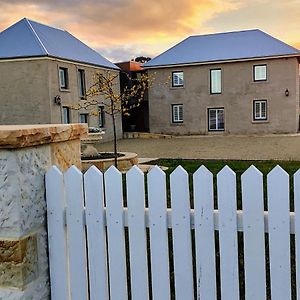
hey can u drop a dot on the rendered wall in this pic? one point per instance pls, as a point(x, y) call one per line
point(238, 92)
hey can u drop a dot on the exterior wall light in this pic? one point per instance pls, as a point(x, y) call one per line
point(57, 100)
point(287, 92)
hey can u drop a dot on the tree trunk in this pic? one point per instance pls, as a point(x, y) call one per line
point(115, 140)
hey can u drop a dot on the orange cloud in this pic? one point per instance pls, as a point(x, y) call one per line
point(151, 25)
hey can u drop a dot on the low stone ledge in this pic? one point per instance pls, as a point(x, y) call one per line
point(19, 136)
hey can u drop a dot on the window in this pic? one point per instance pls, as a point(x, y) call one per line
point(260, 73)
point(81, 81)
point(216, 119)
point(84, 118)
point(66, 115)
point(63, 78)
point(177, 79)
point(216, 81)
point(260, 110)
point(177, 113)
point(101, 114)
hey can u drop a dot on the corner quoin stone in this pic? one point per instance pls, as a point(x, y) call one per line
point(18, 261)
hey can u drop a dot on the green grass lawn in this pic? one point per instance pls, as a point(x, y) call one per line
point(238, 166)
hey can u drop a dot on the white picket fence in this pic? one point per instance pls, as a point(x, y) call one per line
point(88, 222)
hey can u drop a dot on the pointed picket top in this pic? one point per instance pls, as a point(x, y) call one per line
point(156, 171)
point(179, 172)
point(251, 172)
point(92, 171)
point(53, 171)
point(202, 172)
point(73, 171)
point(134, 171)
point(277, 171)
point(226, 171)
point(112, 170)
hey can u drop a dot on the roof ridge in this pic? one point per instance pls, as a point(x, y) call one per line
point(226, 32)
point(36, 36)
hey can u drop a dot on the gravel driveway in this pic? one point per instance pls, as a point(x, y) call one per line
point(269, 147)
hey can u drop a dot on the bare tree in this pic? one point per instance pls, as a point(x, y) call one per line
point(105, 91)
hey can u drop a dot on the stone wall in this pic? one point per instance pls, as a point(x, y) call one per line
point(26, 153)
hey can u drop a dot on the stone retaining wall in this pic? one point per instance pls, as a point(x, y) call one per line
point(26, 152)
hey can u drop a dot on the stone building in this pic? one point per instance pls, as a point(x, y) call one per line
point(43, 70)
point(244, 82)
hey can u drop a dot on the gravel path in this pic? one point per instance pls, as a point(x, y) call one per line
point(271, 147)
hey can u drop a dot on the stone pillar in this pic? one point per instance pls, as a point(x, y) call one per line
point(26, 153)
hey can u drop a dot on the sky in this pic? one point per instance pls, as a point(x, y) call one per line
point(123, 29)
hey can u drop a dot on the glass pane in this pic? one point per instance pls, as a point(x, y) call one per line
point(66, 115)
point(216, 81)
point(83, 118)
point(263, 110)
point(62, 78)
point(220, 117)
point(260, 72)
point(212, 119)
point(180, 113)
point(178, 79)
point(257, 110)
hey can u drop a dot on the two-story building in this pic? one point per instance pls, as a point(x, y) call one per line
point(44, 71)
point(244, 82)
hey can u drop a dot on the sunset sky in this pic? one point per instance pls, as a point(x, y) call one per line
point(123, 29)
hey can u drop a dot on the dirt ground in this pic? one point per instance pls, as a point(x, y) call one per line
point(269, 147)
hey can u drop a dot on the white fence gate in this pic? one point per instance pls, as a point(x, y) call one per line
point(103, 248)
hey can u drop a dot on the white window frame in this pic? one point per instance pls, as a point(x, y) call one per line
point(177, 79)
point(259, 75)
point(261, 115)
point(63, 78)
point(217, 109)
point(215, 74)
point(177, 113)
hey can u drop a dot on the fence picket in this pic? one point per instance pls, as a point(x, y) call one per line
point(181, 229)
point(297, 228)
point(226, 188)
point(115, 234)
point(76, 234)
point(137, 234)
point(254, 234)
point(96, 235)
point(279, 233)
point(204, 234)
point(56, 234)
point(158, 234)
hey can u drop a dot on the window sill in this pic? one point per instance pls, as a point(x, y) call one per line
point(260, 121)
point(65, 90)
point(177, 87)
point(260, 81)
point(177, 124)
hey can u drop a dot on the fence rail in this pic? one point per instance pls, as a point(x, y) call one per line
point(101, 249)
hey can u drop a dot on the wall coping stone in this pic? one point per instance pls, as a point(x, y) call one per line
point(20, 136)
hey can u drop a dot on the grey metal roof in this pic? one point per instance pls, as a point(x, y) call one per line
point(27, 38)
point(223, 46)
